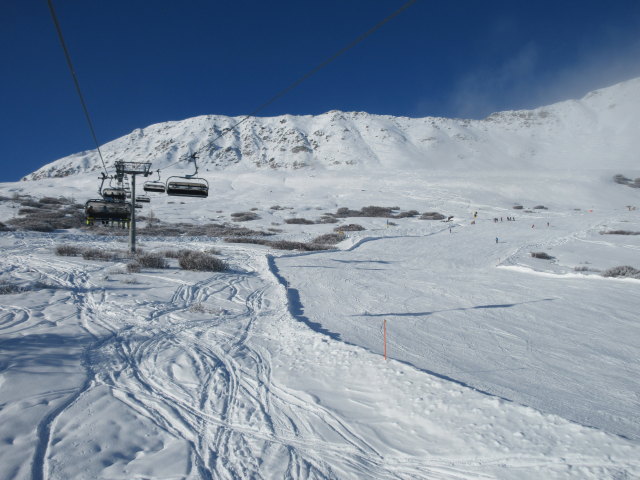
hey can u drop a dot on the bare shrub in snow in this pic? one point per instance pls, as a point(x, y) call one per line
point(622, 271)
point(244, 216)
point(200, 261)
point(621, 179)
point(4, 228)
point(540, 207)
point(134, 267)
point(288, 245)
point(69, 250)
point(54, 201)
point(104, 255)
point(9, 288)
point(432, 216)
point(584, 268)
point(299, 221)
point(407, 214)
point(351, 227)
point(327, 219)
point(329, 239)
point(619, 232)
point(518, 207)
point(152, 260)
point(29, 202)
point(279, 244)
point(542, 255)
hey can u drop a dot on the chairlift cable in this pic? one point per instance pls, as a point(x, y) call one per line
point(76, 83)
point(311, 72)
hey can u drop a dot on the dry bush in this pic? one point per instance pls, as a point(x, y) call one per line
point(104, 255)
point(200, 261)
point(4, 228)
point(9, 288)
point(244, 216)
point(69, 250)
point(542, 255)
point(134, 267)
point(329, 239)
point(407, 214)
point(327, 219)
point(432, 216)
point(299, 221)
point(278, 244)
point(54, 201)
point(619, 232)
point(540, 207)
point(152, 260)
point(517, 207)
point(351, 227)
point(624, 271)
point(621, 179)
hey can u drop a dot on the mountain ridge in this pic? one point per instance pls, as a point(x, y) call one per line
point(596, 131)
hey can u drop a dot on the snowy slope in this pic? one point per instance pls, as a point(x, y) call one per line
point(598, 131)
point(500, 365)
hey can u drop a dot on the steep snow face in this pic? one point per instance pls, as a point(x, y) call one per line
point(599, 131)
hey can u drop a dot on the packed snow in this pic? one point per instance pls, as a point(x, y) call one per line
point(499, 364)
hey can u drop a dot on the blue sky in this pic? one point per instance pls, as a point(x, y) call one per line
point(142, 62)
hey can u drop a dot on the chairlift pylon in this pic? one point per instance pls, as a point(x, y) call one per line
point(188, 185)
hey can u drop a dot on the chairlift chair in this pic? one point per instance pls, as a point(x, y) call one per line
point(101, 209)
point(154, 186)
point(114, 194)
point(142, 199)
point(188, 185)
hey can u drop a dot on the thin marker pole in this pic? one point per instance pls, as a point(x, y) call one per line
point(384, 334)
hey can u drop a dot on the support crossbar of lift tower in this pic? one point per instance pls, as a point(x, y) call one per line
point(132, 168)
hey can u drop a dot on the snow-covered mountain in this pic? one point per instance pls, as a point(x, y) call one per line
point(595, 132)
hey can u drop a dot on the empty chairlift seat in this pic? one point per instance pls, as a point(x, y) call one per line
point(154, 187)
point(187, 187)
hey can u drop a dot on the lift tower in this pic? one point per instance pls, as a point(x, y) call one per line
point(132, 168)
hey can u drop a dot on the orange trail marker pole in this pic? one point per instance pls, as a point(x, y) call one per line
point(384, 334)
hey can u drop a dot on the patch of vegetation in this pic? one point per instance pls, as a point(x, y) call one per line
point(244, 216)
point(624, 271)
point(200, 261)
point(517, 207)
point(619, 232)
point(432, 216)
point(329, 239)
point(299, 221)
point(542, 255)
point(69, 250)
point(622, 180)
point(540, 207)
point(279, 244)
point(151, 260)
point(162, 229)
point(351, 227)
point(134, 267)
point(47, 214)
point(9, 288)
point(374, 212)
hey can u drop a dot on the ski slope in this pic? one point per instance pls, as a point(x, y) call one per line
point(500, 365)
